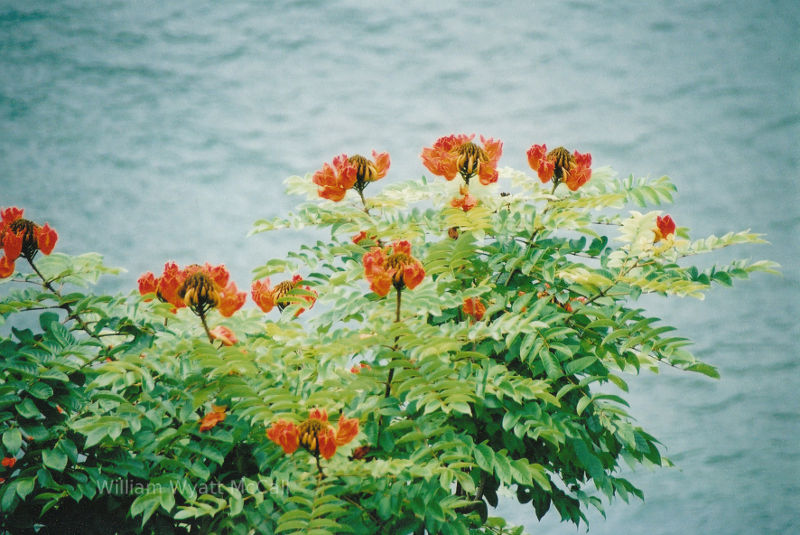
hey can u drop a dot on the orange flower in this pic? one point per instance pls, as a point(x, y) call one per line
point(333, 181)
point(665, 227)
point(9, 461)
point(369, 171)
point(457, 154)
point(266, 297)
point(214, 417)
point(284, 434)
point(474, 307)
point(355, 171)
point(224, 335)
point(198, 287)
point(359, 367)
point(315, 434)
point(385, 267)
point(467, 202)
point(561, 166)
point(21, 237)
point(361, 236)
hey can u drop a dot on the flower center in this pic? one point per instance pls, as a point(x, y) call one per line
point(280, 292)
point(470, 157)
point(308, 433)
point(26, 229)
point(562, 160)
point(396, 262)
point(199, 293)
point(366, 171)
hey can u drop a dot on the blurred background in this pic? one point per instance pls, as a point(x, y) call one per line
point(153, 131)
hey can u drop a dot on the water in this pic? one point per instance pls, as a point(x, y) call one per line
point(151, 131)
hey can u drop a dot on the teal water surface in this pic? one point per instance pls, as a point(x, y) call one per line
point(150, 131)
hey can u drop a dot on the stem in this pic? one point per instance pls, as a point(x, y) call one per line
point(397, 308)
point(319, 466)
point(363, 200)
point(205, 326)
point(64, 306)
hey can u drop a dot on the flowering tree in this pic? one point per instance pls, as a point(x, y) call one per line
point(458, 339)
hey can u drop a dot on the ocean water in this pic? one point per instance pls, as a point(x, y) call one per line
point(150, 131)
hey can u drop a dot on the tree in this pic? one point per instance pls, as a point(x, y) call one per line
point(455, 340)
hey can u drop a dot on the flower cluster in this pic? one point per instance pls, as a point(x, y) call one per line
point(200, 288)
point(559, 165)
point(457, 154)
point(211, 419)
point(344, 173)
point(282, 295)
point(315, 434)
point(385, 267)
point(665, 227)
point(21, 237)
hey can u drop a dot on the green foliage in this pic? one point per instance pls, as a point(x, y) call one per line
point(101, 397)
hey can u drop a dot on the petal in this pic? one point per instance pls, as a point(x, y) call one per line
point(382, 163)
point(263, 295)
point(224, 335)
point(11, 214)
point(219, 274)
point(318, 414)
point(413, 274)
point(380, 283)
point(148, 284)
point(6, 267)
point(285, 435)
point(402, 247)
point(12, 245)
point(327, 443)
point(46, 239)
point(231, 300)
point(487, 174)
point(346, 430)
point(493, 148)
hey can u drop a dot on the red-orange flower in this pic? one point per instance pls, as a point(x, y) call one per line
point(665, 227)
point(457, 154)
point(359, 367)
point(333, 181)
point(560, 166)
point(356, 171)
point(474, 307)
point(284, 434)
point(21, 237)
point(224, 335)
point(9, 461)
point(214, 417)
point(387, 267)
point(315, 434)
point(200, 287)
point(467, 202)
point(369, 170)
point(266, 296)
point(361, 236)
